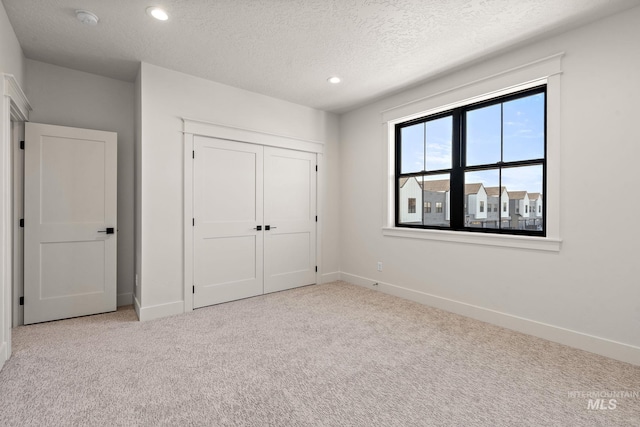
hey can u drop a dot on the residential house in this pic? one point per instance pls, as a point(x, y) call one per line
point(498, 206)
point(475, 198)
point(436, 202)
point(535, 205)
point(410, 201)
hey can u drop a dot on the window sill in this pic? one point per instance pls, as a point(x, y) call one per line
point(546, 244)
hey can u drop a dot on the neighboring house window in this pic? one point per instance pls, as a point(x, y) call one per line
point(495, 207)
point(427, 207)
point(526, 208)
point(499, 143)
point(412, 205)
point(539, 209)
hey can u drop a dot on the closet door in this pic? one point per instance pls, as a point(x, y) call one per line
point(290, 215)
point(228, 209)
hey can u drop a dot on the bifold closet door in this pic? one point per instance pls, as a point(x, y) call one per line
point(228, 208)
point(290, 212)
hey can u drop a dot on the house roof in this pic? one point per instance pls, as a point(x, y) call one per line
point(517, 195)
point(438, 185)
point(494, 191)
point(403, 181)
point(534, 196)
point(472, 188)
point(441, 185)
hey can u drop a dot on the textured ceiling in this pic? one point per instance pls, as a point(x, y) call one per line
point(288, 48)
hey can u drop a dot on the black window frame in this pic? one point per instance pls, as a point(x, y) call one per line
point(459, 167)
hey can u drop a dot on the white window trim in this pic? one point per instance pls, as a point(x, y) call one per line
point(543, 71)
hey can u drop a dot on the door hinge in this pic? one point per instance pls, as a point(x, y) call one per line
point(193, 222)
point(193, 154)
point(193, 290)
point(316, 268)
point(21, 300)
point(22, 222)
point(316, 168)
point(316, 218)
point(22, 145)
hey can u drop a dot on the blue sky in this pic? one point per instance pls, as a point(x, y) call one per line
point(522, 131)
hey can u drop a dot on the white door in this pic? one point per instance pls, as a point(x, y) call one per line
point(290, 215)
point(70, 222)
point(227, 206)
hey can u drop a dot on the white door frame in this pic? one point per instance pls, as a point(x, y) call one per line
point(190, 128)
point(15, 108)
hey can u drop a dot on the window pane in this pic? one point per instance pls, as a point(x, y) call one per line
point(410, 196)
point(524, 128)
point(481, 190)
point(412, 148)
point(484, 135)
point(439, 143)
point(524, 185)
point(436, 194)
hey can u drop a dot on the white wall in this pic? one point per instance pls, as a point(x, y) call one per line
point(11, 62)
point(61, 96)
point(166, 96)
point(586, 295)
point(11, 58)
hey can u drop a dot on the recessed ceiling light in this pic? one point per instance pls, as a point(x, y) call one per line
point(157, 13)
point(334, 80)
point(86, 17)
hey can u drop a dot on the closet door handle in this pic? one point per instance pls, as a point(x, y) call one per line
point(268, 227)
point(259, 228)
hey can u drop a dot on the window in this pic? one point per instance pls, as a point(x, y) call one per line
point(427, 207)
point(495, 207)
point(412, 205)
point(467, 153)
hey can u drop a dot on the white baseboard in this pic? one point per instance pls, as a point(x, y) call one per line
point(136, 306)
point(125, 299)
point(158, 311)
point(602, 346)
point(330, 277)
point(3, 354)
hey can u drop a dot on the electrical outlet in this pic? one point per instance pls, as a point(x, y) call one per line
point(379, 265)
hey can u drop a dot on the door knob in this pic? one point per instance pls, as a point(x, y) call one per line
point(109, 230)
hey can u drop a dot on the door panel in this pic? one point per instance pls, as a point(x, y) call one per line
point(290, 211)
point(73, 268)
point(228, 200)
point(70, 200)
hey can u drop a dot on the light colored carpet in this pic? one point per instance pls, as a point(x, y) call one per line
point(324, 355)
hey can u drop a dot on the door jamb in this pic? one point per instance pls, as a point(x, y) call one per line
point(14, 108)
